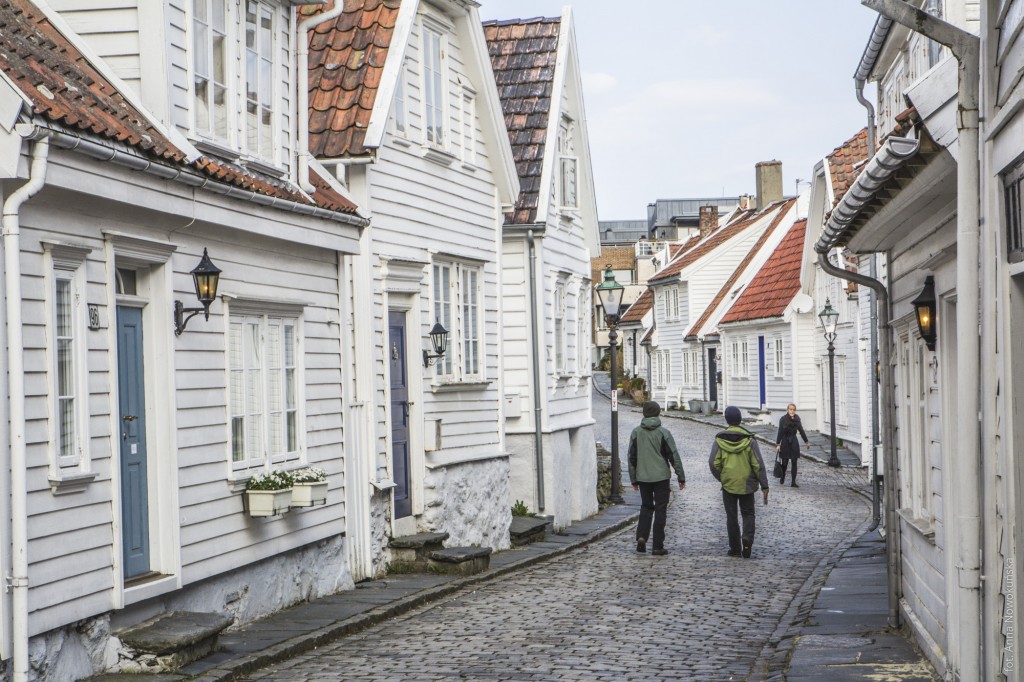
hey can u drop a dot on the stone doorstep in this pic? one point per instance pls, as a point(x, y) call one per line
point(419, 541)
point(409, 552)
point(526, 529)
point(460, 560)
point(171, 641)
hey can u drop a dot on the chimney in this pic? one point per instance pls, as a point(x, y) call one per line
point(744, 202)
point(708, 220)
point(769, 183)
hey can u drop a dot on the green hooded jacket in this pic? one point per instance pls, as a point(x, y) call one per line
point(736, 462)
point(651, 448)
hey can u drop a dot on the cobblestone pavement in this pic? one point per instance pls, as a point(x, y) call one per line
point(605, 612)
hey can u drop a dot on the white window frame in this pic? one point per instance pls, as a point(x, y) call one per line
point(467, 124)
point(779, 356)
point(66, 263)
point(583, 331)
point(457, 303)
point(434, 84)
point(558, 327)
point(401, 119)
point(200, 28)
point(842, 404)
point(264, 317)
point(263, 145)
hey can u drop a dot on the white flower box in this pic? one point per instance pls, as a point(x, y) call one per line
point(268, 502)
point(309, 494)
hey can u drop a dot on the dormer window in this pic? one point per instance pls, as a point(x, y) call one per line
point(235, 108)
point(435, 87)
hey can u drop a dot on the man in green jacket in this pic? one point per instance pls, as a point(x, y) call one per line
point(736, 462)
point(651, 450)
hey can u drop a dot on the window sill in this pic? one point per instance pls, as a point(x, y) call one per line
point(401, 140)
point(438, 156)
point(459, 386)
point(468, 167)
point(218, 149)
point(72, 483)
point(925, 528)
point(264, 167)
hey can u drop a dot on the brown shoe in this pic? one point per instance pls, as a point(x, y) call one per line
point(659, 552)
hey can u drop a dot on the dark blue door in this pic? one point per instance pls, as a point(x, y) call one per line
point(132, 409)
point(399, 414)
point(712, 376)
point(761, 368)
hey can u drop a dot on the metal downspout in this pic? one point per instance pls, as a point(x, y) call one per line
point(16, 383)
point(302, 87)
point(889, 430)
point(966, 467)
point(876, 365)
point(538, 445)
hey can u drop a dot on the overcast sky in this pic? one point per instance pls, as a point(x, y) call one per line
point(683, 97)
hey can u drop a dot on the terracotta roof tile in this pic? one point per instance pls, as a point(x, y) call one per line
point(640, 307)
point(775, 285)
point(712, 241)
point(523, 53)
point(65, 88)
point(346, 61)
point(845, 163)
point(734, 278)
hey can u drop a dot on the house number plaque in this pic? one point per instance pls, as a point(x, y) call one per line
point(94, 317)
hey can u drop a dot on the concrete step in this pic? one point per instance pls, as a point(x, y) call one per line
point(170, 641)
point(410, 553)
point(460, 560)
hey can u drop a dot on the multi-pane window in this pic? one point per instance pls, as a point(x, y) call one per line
point(559, 315)
point(779, 358)
point(259, 78)
point(263, 366)
point(64, 335)
point(457, 306)
point(842, 411)
point(434, 86)
point(739, 359)
point(1014, 215)
point(568, 181)
point(468, 126)
point(209, 39)
point(675, 303)
point(583, 333)
point(401, 107)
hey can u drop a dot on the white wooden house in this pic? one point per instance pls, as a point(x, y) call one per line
point(548, 242)
point(130, 444)
point(404, 107)
point(917, 205)
point(772, 316)
point(831, 179)
point(685, 366)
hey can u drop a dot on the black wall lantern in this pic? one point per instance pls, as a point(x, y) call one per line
point(924, 308)
point(206, 277)
point(439, 340)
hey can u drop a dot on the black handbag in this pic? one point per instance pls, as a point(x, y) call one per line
point(779, 471)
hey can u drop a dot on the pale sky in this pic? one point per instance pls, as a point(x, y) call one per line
point(684, 97)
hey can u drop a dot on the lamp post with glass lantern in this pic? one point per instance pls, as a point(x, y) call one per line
point(829, 318)
point(609, 293)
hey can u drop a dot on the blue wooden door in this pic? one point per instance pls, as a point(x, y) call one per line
point(399, 414)
point(712, 378)
point(761, 369)
point(132, 410)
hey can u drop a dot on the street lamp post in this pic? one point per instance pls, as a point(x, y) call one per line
point(609, 293)
point(829, 318)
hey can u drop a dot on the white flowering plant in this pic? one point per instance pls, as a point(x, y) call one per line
point(309, 475)
point(270, 480)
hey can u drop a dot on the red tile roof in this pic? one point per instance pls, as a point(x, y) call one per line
point(346, 60)
point(775, 285)
point(523, 53)
point(734, 277)
point(714, 240)
point(845, 163)
point(65, 88)
point(640, 307)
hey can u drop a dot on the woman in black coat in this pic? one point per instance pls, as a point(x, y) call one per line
point(786, 443)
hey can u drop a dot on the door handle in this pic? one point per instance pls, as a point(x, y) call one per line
point(129, 418)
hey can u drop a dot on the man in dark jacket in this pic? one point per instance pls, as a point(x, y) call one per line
point(736, 462)
point(651, 450)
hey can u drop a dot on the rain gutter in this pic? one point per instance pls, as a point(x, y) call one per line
point(538, 426)
point(879, 34)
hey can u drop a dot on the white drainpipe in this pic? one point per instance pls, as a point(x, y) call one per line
point(302, 85)
point(965, 658)
point(16, 385)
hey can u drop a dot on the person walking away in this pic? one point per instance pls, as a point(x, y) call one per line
point(786, 444)
point(736, 462)
point(652, 450)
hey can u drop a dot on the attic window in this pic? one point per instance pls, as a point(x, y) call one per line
point(568, 176)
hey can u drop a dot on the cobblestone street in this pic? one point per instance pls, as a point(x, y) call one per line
point(605, 612)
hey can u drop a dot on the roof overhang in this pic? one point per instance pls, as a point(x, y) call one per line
point(898, 163)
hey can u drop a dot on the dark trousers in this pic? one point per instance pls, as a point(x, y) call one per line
point(653, 504)
point(786, 461)
point(746, 506)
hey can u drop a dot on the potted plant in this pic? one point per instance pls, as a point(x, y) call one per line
point(309, 488)
point(269, 493)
